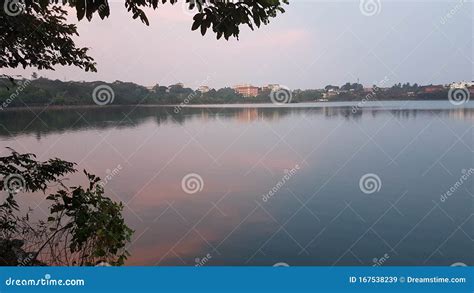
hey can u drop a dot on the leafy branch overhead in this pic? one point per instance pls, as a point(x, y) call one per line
point(35, 33)
point(224, 16)
point(33, 36)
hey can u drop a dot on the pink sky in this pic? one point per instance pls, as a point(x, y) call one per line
point(313, 44)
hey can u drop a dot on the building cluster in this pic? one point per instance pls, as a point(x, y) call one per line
point(332, 91)
point(204, 89)
point(468, 85)
point(248, 90)
point(455, 85)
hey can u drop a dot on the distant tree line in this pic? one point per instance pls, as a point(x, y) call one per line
point(43, 91)
point(406, 91)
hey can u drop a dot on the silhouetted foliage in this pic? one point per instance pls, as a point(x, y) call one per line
point(352, 87)
point(224, 17)
point(84, 227)
point(34, 33)
point(38, 36)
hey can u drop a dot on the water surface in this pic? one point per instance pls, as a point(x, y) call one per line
point(311, 156)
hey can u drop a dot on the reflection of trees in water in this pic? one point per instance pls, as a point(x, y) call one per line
point(60, 120)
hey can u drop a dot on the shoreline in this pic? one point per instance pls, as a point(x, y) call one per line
point(315, 104)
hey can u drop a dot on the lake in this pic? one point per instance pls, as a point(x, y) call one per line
point(380, 183)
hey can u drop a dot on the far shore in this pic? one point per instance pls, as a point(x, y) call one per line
point(227, 105)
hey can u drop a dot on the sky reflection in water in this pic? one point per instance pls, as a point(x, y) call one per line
point(319, 216)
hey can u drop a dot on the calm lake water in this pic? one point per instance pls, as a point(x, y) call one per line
point(330, 184)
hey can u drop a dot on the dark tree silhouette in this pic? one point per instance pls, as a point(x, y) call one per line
point(83, 227)
point(36, 37)
point(34, 33)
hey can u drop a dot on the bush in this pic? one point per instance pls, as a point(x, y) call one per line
point(84, 226)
